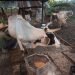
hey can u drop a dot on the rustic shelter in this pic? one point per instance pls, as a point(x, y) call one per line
point(13, 63)
point(30, 7)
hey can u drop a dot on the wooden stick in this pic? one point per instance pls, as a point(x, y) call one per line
point(64, 40)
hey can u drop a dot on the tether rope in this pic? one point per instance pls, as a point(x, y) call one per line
point(64, 40)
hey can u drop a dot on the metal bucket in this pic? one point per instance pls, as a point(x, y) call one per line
point(37, 64)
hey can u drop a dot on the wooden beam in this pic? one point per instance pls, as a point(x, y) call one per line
point(61, 61)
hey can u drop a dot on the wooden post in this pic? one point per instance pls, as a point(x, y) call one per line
point(20, 11)
point(4, 14)
point(42, 13)
point(11, 11)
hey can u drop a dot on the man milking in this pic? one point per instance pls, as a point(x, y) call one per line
point(6, 41)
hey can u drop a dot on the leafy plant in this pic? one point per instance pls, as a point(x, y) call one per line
point(56, 6)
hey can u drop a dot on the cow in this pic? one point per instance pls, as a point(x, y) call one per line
point(6, 42)
point(26, 34)
point(61, 17)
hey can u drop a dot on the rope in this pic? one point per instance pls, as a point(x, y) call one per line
point(64, 40)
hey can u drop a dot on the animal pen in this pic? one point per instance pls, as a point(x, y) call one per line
point(40, 60)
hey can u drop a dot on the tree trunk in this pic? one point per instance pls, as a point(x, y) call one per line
point(4, 14)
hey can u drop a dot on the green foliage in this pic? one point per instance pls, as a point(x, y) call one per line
point(52, 2)
point(62, 6)
point(3, 21)
point(56, 6)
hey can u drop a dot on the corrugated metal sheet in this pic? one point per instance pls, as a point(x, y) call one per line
point(15, 4)
point(29, 3)
point(8, 4)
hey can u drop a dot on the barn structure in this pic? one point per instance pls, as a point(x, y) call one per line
point(61, 59)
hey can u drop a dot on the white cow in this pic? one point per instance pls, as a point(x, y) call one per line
point(25, 33)
point(62, 17)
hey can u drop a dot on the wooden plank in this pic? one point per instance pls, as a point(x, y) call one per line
point(54, 68)
point(58, 58)
point(16, 59)
point(5, 66)
point(62, 48)
point(39, 50)
point(71, 56)
point(44, 50)
point(61, 61)
point(15, 56)
point(16, 69)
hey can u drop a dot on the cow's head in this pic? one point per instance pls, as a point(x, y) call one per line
point(51, 38)
point(65, 14)
point(62, 16)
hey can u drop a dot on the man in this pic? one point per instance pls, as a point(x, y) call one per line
point(6, 42)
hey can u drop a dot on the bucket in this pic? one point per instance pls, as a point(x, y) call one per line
point(37, 64)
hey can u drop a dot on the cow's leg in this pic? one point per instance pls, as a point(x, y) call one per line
point(20, 45)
